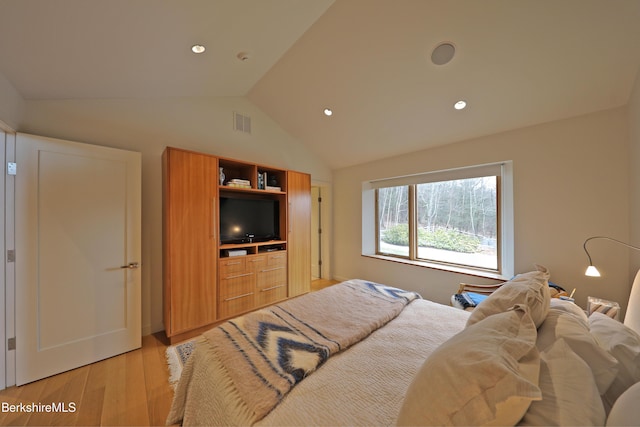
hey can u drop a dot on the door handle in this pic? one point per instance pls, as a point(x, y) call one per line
point(131, 265)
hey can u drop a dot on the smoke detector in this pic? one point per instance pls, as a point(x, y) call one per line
point(243, 56)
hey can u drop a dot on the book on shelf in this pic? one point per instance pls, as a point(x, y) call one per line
point(273, 188)
point(262, 180)
point(239, 183)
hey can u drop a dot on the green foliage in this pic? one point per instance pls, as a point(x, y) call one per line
point(397, 235)
point(440, 238)
point(450, 240)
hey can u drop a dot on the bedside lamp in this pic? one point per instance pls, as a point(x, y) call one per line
point(592, 271)
point(632, 316)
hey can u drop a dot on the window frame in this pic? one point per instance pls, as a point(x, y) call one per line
point(504, 205)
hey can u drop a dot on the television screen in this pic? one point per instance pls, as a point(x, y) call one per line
point(242, 218)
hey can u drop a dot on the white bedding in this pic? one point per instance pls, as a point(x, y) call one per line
point(364, 385)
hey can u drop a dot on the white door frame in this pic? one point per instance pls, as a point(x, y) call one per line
point(7, 268)
point(3, 302)
point(327, 227)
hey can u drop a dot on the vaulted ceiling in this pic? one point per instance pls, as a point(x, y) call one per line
point(516, 63)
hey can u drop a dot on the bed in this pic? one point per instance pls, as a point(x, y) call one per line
point(362, 353)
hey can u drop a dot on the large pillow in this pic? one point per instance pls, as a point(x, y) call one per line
point(624, 344)
point(530, 289)
point(560, 324)
point(570, 396)
point(570, 307)
point(485, 375)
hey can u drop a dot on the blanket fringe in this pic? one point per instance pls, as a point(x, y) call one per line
point(175, 366)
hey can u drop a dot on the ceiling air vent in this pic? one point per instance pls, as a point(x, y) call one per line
point(241, 122)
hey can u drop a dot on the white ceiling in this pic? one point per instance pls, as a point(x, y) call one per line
point(517, 63)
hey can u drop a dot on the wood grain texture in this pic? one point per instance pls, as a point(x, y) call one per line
point(131, 389)
point(190, 229)
point(299, 232)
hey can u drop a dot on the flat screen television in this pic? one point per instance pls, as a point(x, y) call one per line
point(248, 220)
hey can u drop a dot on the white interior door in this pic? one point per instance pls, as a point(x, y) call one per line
point(77, 252)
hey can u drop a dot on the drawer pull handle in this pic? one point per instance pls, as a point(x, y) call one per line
point(232, 263)
point(271, 269)
point(272, 288)
point(237, 276)
point(238, 297)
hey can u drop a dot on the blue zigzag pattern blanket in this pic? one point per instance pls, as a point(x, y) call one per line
point(269, 351)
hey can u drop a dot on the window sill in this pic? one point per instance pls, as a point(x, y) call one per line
point(441, 267)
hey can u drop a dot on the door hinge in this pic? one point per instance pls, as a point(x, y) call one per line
point(11, 255)
point(11, 168)
point(11, 343)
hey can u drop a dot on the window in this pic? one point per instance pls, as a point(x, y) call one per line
point(454, 219)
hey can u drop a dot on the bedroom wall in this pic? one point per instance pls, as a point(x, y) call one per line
point(634, 195)
point(571, 181)
point(11, 104)
point(148, 126)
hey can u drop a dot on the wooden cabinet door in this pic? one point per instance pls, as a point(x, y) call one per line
point(299, 232)
point(190, 195)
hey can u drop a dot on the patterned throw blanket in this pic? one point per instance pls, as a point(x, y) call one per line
point(267, 352)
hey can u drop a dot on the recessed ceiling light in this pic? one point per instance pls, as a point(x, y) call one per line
point(460, 105)
point(328, 112)
point(198, 48)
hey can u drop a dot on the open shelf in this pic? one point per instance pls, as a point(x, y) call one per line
point(254, 248)
point(241, 176)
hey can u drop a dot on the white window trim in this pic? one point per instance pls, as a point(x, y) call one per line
point(504, 169)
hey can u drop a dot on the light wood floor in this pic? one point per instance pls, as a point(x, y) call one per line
point(127, 390)
point(130, 389)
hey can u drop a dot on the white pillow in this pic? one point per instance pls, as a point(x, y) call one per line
point(571, 308)
point(485, 375)
point(570, 396)
point(530, 289)
point(624, 344)
point(562, 325)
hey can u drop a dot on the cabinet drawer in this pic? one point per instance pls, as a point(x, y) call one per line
point(277, 258)
point(232, 306)
point(271, 276)
point(232, 266)
point(256, 263)
point(234, 285)
point(271, 295)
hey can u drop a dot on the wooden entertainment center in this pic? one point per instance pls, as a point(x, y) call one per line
point(207, 281)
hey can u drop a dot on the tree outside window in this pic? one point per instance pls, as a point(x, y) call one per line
point(451, 222)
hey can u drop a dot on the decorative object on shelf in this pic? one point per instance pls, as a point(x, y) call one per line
point(222, 176)
point(592, 271)
point(273, 181)
point(262, 179)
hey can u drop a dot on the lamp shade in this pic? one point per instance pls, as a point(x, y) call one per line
point(592, 272)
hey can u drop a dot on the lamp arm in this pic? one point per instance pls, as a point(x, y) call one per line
point(606, 238)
